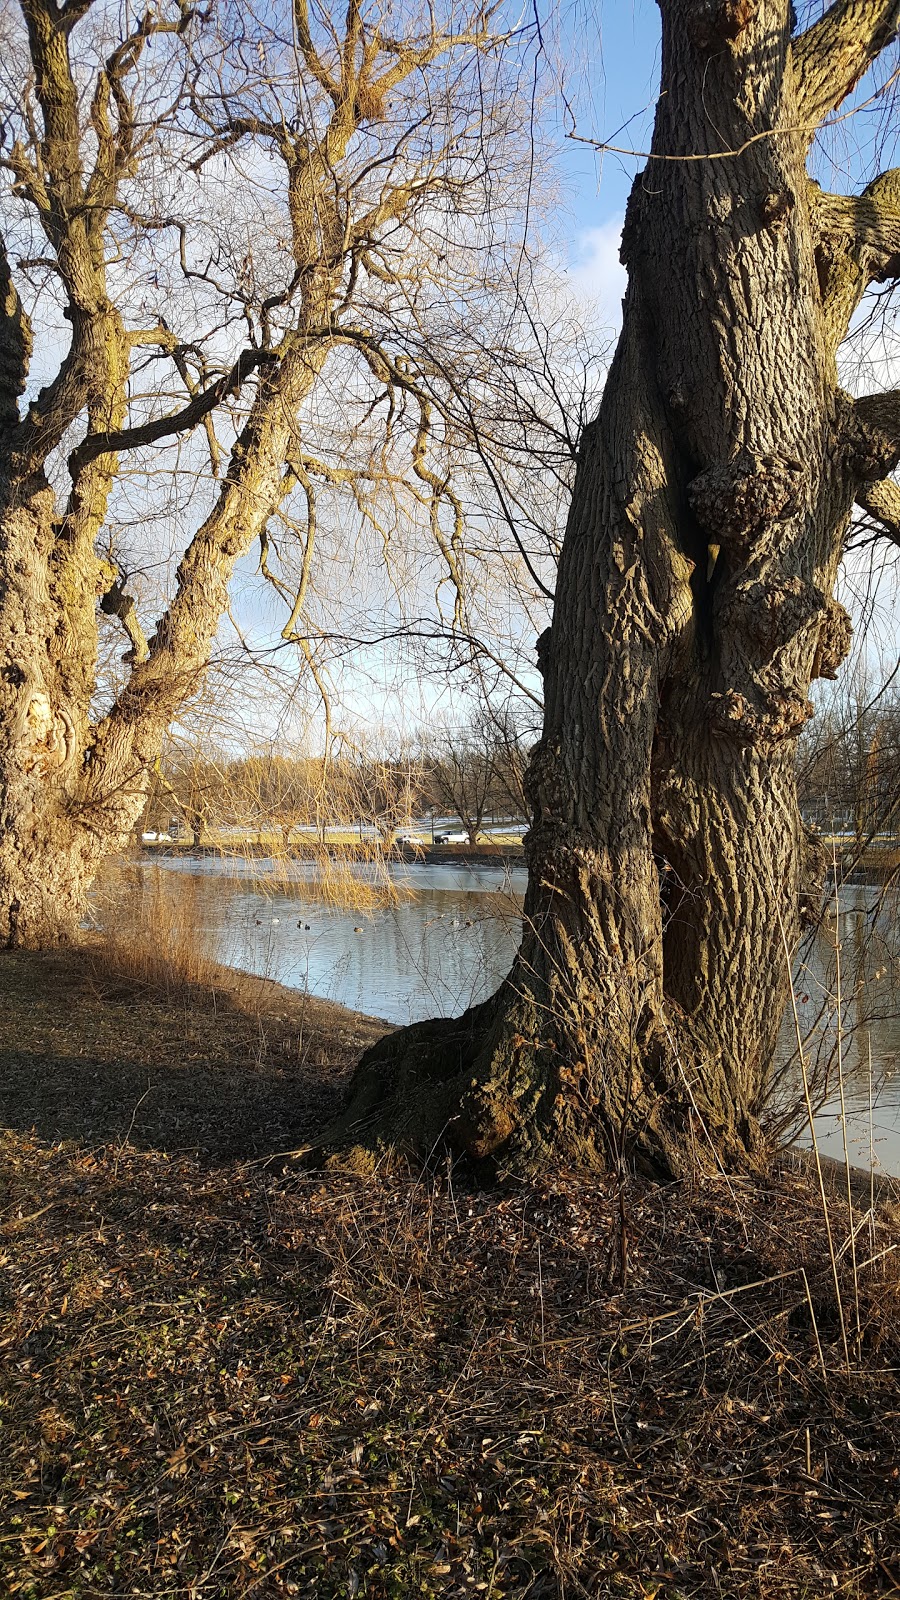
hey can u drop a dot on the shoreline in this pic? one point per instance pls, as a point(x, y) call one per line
point(877, 866)
point(303, 850)
point(288, 1008)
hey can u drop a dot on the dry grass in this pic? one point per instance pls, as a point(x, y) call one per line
point(355, 877)
point(246, 1383)
point(228, 1376)
point(93, 1057)
point(154, 935)
point(346, 872)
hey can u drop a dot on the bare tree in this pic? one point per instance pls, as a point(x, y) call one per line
point(473, 770)
point(849, 766)
point(460, 765)
point(693, 609)
point(254, 233)
point(380, 784)
point(189, 791)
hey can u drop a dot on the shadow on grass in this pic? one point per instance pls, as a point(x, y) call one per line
point(240, 1068)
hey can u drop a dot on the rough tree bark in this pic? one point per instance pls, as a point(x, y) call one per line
point(72, 788)
point(668, 867)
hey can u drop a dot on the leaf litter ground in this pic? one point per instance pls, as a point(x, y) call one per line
point(225, 1375)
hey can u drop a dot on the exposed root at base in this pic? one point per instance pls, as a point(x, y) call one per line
point(500, 1087)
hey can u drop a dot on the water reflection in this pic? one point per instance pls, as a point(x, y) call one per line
point(847, 996)
point(452, 934)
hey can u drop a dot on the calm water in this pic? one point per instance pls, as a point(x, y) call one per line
point(452, 934)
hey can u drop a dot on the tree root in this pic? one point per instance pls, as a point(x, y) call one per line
point(503, 1088)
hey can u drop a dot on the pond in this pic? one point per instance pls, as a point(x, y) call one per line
point(451, 933)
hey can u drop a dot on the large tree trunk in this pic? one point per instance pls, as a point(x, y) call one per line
point(72, 789)
point(40, 877)
point(50, 840)
point(693, 608)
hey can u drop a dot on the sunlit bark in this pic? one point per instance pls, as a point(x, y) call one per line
point(668, 867)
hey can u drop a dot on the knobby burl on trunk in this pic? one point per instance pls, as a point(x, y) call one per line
point(668, 868)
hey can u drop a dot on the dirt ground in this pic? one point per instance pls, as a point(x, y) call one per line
point(244, 1067)
point(228, 1373)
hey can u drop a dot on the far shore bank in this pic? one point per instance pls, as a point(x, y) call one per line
point(309, 849)
point(879, 864)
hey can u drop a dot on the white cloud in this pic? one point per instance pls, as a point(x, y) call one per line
point(595, 272)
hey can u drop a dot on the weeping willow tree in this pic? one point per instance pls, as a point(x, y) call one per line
point(221, 225)
point(669, 870)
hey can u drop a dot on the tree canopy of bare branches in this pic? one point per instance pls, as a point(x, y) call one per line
point(264, 290)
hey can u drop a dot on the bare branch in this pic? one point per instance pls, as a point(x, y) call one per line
point(116, 603)
point(15, 345)
point(881, 502)
point(831, 56)
point(308, 50)
point(880, 413)
point(871, 219)
point(290, 627)
point(249, 495)
point(873, 436)
point(181, 421)
point(411, 58)
point(859, 243)
point(116, 147)
point(451, 549)
point(73, 11)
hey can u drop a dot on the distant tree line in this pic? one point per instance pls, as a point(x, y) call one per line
point(849, 769)
point(474, 773)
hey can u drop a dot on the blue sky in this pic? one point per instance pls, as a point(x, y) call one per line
point(611, 63)
point(615, 83)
